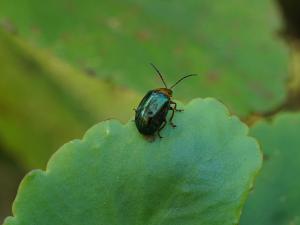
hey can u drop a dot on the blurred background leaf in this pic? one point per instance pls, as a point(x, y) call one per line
point(275, 198)
point(45, 103)
point(232, 44)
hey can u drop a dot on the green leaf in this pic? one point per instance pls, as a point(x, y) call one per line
point(275, 199)
point(199, 173)
point(44, 103)
point(232, 44)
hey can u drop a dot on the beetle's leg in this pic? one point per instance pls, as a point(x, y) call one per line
point(175, 107)
point(134, 109)
point(171, 118)
point(162, 127)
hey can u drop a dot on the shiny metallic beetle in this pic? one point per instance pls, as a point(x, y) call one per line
point(150, 116)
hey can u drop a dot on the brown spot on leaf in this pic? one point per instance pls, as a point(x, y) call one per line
point(8, 26)
point(113, 23)
point(213, 76)
point(35, 30)
point(259, 89)
point(143, 35)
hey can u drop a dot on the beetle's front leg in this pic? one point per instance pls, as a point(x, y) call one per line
point(175, 107)
point(172, 115)
point(162, 127)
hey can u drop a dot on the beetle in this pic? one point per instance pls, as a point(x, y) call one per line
point(151, 113)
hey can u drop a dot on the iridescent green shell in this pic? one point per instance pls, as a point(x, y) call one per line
point(152, 112)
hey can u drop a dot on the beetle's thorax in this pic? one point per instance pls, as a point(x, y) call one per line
point(165, 91)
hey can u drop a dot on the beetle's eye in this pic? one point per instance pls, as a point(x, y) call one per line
point(150, 113)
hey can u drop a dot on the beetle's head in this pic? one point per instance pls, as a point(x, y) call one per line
point(166, 91)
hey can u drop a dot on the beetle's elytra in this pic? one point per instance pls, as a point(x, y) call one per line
point(150, 115)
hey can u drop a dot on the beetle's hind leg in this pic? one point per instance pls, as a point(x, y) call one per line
point(162, 127)
point(175, 107)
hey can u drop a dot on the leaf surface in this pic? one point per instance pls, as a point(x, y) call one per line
point(199, 173)
point(275, 198)
point(232, 44)
point(45, 103)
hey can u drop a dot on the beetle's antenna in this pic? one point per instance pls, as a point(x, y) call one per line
point(161, 77)
point(190, 75)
